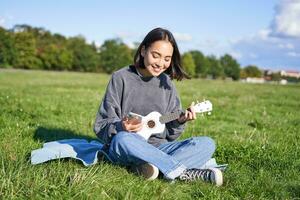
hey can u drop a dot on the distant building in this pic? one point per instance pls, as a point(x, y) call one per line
point(254, 80)
point(282, 77)
point(294, 74)
point(268, 72)
point(283, 82)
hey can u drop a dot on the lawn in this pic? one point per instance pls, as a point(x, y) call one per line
point(256, 128)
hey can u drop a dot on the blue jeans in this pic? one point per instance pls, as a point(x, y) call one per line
point(171, 158)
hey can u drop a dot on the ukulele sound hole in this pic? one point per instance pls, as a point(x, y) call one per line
point(151, 124)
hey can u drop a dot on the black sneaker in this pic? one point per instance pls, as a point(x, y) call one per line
point(212, 175)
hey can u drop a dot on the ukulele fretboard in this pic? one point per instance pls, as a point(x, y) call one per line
point(170, 117)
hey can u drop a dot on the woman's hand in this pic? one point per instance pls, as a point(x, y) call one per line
point(131, 125)
point(189, 115)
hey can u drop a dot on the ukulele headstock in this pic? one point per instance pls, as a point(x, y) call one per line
point(203, 107)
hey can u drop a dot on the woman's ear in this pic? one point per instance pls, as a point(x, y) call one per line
point(143, 51)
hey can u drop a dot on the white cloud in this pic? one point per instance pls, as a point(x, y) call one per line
point(264, 34)
point(211, 46)
point(293, 54)
point(96, 42)
point(182, 37)
point(287, 19)
point(253, 55)
point(275, 52)
point(126, 35)
point(278, 46)
point(236, 55)
point(2, 21)
point(131, 44)
point(6, 20)
point(286, 46)
point(211, 43)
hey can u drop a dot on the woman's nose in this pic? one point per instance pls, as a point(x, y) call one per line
point(160, 63)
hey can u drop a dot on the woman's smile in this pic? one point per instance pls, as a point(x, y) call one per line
point(156, 69)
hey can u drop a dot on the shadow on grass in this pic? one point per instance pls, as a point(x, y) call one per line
point(52, 134)
point(294, 190)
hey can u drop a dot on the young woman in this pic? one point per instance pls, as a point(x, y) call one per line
point(142, 88)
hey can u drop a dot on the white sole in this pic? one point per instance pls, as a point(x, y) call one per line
point(147, 170)
point(155, 173)
point(218, 176)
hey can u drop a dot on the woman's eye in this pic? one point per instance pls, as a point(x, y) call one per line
point(155, 55)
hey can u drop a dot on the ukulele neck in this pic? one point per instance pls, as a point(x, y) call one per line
point(170, 117)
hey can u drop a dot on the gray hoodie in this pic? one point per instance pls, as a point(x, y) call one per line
point(128, 91)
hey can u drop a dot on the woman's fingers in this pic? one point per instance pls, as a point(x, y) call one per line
point(186, 115)
point(135, 127)
point(132, 125)
point(190, 113)
point(193, 111)
point(190, 116)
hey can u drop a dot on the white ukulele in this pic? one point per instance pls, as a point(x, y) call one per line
point(154, 122)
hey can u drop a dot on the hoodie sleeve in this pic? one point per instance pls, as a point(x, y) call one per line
point(108, 118)
point(174, 127)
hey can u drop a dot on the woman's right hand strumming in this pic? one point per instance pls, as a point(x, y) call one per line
point(131, 125)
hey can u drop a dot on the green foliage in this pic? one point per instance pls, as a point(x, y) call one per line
point(215, 68)
point(55, 57)
point(114, 55)
point(85, 57)
point(231, 66)
point(7, 49)
point(25, 45)
point(256, 129)
point(251, 71)
point(189, 64)
point(36, 48)
point(201, 63)
point(291, 79)
point(276, 76)
point(134, 49)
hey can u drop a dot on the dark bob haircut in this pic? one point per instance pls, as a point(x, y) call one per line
point(175, 70)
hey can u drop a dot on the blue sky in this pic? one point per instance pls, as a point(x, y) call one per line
point(261, 32)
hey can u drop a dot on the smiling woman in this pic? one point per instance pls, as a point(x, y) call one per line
point(157, 52)
point(157, 58)
point(137, 90)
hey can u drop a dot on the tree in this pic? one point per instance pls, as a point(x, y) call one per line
point(276, 76)
point(134, 48)
point(251, 71)
point(189, 64)
point(25, 45)
point(7, 49)
point(85, 56)
point(55, 57)
point(231, 66)
point(215, 67)
point(114, 55)
point(201, 63)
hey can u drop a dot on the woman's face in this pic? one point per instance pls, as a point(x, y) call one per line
point(157, 57)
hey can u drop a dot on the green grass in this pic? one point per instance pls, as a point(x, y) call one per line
point(256, 127)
